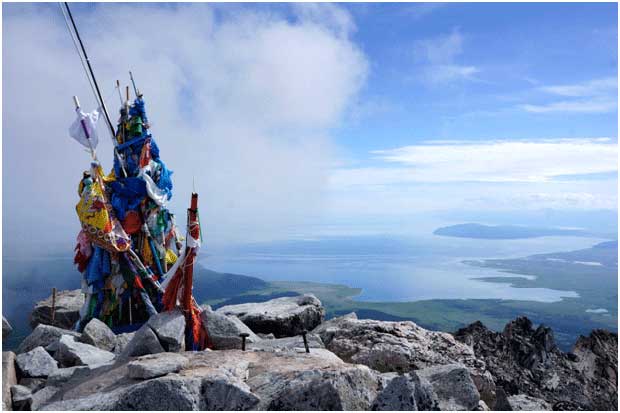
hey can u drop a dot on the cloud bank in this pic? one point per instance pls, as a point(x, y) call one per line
point(241, 103)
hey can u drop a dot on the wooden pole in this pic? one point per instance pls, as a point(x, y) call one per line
point(130, 312)
point(194, 232)
point(53, 304)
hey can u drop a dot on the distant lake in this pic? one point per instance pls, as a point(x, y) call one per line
point(396, 269)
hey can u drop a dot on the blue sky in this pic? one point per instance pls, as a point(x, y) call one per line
point(298, 119)
point(514, 52)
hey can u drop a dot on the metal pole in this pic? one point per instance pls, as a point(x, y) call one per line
point(92, 74)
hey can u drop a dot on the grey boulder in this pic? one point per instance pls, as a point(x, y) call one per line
point(406, 392)
point(44, 335)
point(151, 365)
point(169, 327)
point(525, 402)
point(36, 363)
point(33, 383)
point(21, 397)
point(72, 353)
point(98, 334)
point(224, 330)
point(144, 341)
point(67, 313)
point(401, 346)
point(453, 386)
point(284, 317)
point(121, 341)
point(295, 344)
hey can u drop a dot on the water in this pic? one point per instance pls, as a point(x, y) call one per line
point(397, 269)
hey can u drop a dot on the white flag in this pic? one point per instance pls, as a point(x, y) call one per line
point(76, 130)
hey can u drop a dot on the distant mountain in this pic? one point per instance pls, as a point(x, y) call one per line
point(480, 231)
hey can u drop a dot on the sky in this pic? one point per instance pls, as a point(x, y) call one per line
point(295, 120)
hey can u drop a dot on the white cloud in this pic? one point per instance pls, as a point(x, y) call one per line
point(244, 103)
point(439, 56)
point(590, 88)
point(573, 106)
point(493, 161)
point(593, 96)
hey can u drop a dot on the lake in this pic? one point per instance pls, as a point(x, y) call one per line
point(396, 269)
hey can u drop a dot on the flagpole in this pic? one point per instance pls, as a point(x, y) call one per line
point(85, 129)
point(101, 101)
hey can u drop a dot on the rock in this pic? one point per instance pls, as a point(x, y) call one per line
point(170, 329)
point(269, 336)
point(288, 344)
point(98, 334)
point(6, 328)
point(36, 363)
point(42, 396)
point(72, 353)
point(453, 386)
point(9, 378)
point(501, 401)
point(66, 374)
point(224, 330)
point(121, 342)
point(401, 346)
point(22, 397)
point(44, 335)
point(524, 402)
point(149, 366)
point(406, 392)
point(68, 304)
point(284, 317)
point(227, 380)
point(525, 360)
point(144, 341)
point(33, 384)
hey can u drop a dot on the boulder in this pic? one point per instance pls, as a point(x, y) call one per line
point(169, 327)
point(284, 317)
point(98, 334)
point(21, 397)
point(524, 359)
point(227, 380)
point(401, 346)
point(406, 392)
point(66, 374)
point(44, 335)
point(41, 397)
point(144, 341)
point(121, 342)
point(453, 386)
point(9, 378)
point(36, 363)
point(525, 402)
point(33, 384)
point(6, 328)
point(151, 365)
point(288, 344)
point(224, 330)
point(68, 305)
point(72, 353)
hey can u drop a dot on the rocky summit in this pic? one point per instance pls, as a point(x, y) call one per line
point(295, 360)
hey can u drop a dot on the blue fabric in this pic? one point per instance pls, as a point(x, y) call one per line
point(164, 182)
point(138, 108)
point(98, 269)
point(126, 195)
